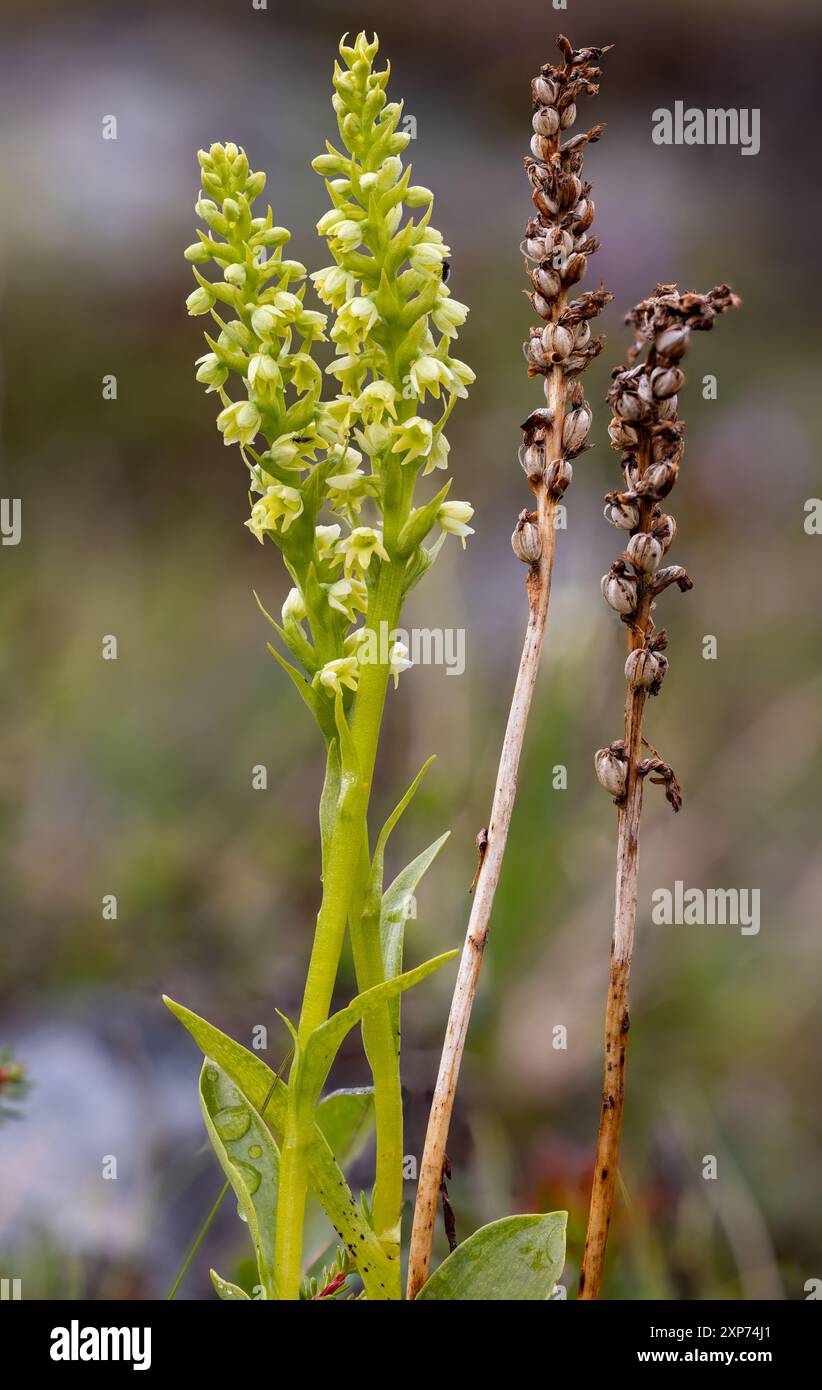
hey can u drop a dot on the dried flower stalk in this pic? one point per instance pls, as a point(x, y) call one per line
point(646, 429)
point(557, 246)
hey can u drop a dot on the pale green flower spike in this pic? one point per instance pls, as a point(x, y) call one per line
point(333, 460)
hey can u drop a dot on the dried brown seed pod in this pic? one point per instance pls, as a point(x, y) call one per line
point(558, 477)
point(622, 510)
point(526, 540)
point(546, 120)
point(644, 552)
point(663, 529)
point(641, 669)
point(575, 429)
point(557, 342)
point(619, 589)
point(611, 770)
point(666, 381)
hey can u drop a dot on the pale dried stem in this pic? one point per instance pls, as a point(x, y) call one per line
point(538, 585)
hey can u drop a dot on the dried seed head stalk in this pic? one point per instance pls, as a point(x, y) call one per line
point(556, 247)
point(646, 429)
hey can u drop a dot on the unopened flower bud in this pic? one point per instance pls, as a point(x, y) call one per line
point(611, 771)
point(526, 540)
point(641, 669)
point(644, 552)
point(619, 590)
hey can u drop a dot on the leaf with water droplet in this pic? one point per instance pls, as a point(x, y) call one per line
point(268, 1096)
point(228, 1292)
point(235, 1129)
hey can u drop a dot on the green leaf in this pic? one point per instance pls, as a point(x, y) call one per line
point(395, 911)
point(249, 1158)
point(269, 1096)
point(330, 798)
point(315, 1059)
point(345, 1118)
point(229, 1293)
point(517, 1259)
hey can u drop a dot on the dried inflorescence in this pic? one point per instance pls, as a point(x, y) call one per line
point(557, 246)
point(650, 436)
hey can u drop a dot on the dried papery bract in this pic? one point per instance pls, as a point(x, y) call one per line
point(649, 434)
point(557, 246)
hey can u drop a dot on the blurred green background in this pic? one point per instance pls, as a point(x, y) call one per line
point(134, 777)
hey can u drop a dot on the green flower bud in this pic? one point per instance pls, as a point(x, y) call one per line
point(197, 253)
point(199, 301)
point(418, 197)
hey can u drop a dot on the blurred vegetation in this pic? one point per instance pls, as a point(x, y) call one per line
point(134, 777)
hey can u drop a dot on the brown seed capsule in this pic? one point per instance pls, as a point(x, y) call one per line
point(546, 280)
point(666, 381)
point(584, 215)
point(628, 406)
point(546, 120)
point(619, 591)
point(622, 435)
point(672, 344)
point(611, 771)
point(526, 540)
point(532, 459)
point(622, 511)
point(568, 116)
point(644, 552)
point(574, 269)
point(535, 355)
point(557, 342)
point(541, 305)
point(558, 477)
point(541, 148)
point(582, 334)
point(658, 479)
point(545, 90)
point(641, 669)
point(664, 530)
point(575, 428)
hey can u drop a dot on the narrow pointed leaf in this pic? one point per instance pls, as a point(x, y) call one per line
point(269, 1096)
point(396, 908)
point(249, 1158)
point(518, 1259)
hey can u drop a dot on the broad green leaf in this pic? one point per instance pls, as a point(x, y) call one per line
point(313, 1062)
point(395, 910)
point(269, 1096)
point(249, 1158)
point(229, 1293)
point(345, 1118)
point(517, 1259)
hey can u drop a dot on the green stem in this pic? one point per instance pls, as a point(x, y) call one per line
point(341, 879)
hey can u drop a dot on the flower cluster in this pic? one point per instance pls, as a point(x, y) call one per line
point(647, 431)
point(557, 246)
point(333, 475)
